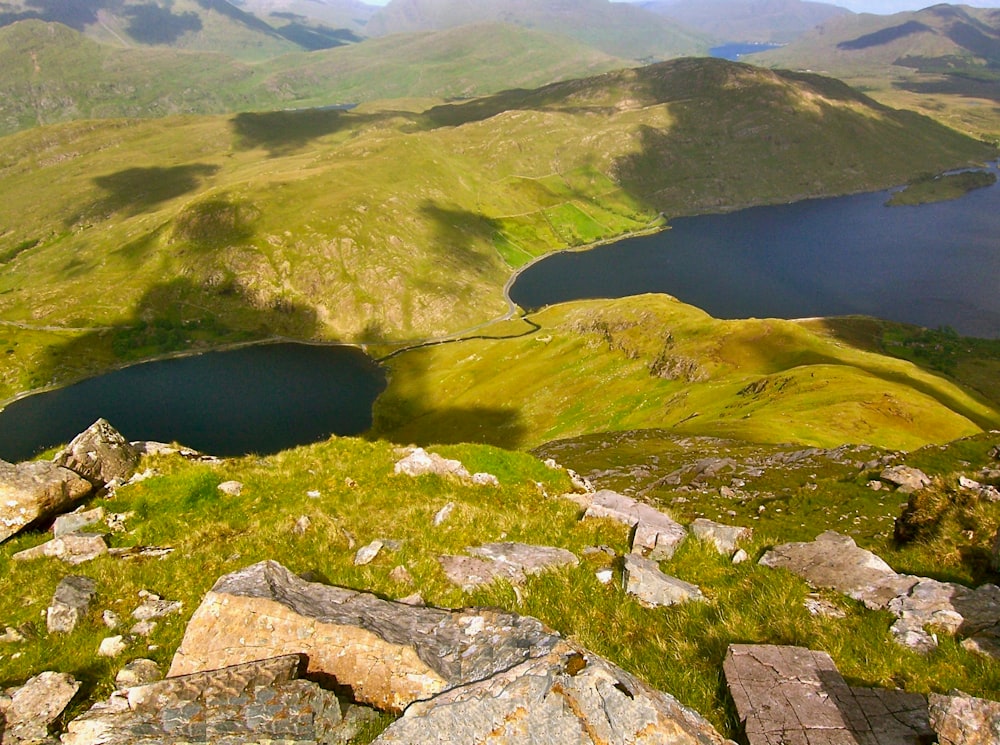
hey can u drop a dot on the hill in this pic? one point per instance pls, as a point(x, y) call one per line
point(760, 21)
point(380, 224)
point(51, 73)
point(351, 15)
point(941, 60)
point(619, 29)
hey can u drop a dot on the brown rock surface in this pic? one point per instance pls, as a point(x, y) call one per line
point(35, 491)
point(100, 454)
point(960, 719)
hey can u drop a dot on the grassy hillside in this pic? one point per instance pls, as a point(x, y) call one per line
point(344, 14)
point(651, 361)
point(941, 61)
point(619, 29)
point(50, 73)
point(382, 224)
point(346, 489)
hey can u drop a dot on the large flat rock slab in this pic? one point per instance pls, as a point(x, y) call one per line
point(796, 696)
point(389, 654)
point(655, 535)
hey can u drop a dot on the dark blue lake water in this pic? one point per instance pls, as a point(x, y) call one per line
point(932, 265)
point(734, 51)
point(259, 399)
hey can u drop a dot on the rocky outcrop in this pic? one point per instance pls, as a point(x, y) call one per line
point(390, 654)
point(905, 478)
point(795, 695)
point(73, 548)
point(960, 719)
point(656, 535)
point(35, 491)
point(26, 716)
point(508, 561)
point(100, 454)
point(567, 697)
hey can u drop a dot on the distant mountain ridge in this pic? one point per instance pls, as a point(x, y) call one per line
point(620, 29)
point(762, 21)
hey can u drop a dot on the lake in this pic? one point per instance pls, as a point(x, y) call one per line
point(736, 50)
point(932, 265)
point(258, 399)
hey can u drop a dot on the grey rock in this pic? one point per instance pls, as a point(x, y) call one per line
point(30, 492)
point(960, 719)
point(74, 522)
point(818, 606)
point(231, 488)
point(739, 556)
point(401, 575)
point(387, 653)
point(418, 462)
point(74, 548)
point(485, 479)
point(153, 606)
point(906, 478)
point(70, 603)
point(469, 573)
point(525, 557)
point(567, 697)
point(656, 535)
point(35, 706)
point(138, 672)
point(100, 454)
point(110, 619)
point(367, 554)
point(142, 629)
point(260, 702)
point(723, 537)
point(653, 588)
point(112, 646)
point(443, 514)
point(301, 525)
point(787, 695)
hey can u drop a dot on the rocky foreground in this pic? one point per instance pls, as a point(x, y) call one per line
point(272, 657)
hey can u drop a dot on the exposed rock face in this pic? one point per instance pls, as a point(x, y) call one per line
point(960, 719)
point(74, 522)
point(35, 705)
point(723, 537)
point(508, 561)
point(567, 697)
point(390, 654)
point(73, 548)
point(100, 454)
point(70, 603)
point(656, 536)
point(907, 478)
point(420, 463)
point(35, 491)
point(795, 695)
point(259, 702)
point(644, 580)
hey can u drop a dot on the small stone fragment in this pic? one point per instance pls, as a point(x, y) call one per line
point(485, 479)
point(112, 646)
point(818, 606)
point(444, 513)
point(367, 554)
point(153, 606)
point(740, 556)
point(138, 672)
point(110, 619)
point(231, 488)
point(415, 599)
point(401, 575)
point(301, 525)
point(143, 628)
point(604, 576)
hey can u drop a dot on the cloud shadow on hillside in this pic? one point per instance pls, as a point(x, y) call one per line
point(953, 85)
point(73, 13)
point(136, 190)
point(457, 233)
point(285, 132)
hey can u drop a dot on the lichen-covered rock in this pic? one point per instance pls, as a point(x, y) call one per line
point(418, 462)
point(906, 478)
point(389, 654)
point(645, 581)
point(70, 603)
point(657, 536)
point(723, 537)
point(36, 705)
point(567, 697)
point(35, 491)
point(960, 719)
point(73, 548)
point(100, 454)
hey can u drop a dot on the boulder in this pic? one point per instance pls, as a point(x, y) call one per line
point(39, 490)
point(960, 719)
point(507, 561)
point(388, 654)
point(74, 522)
point(653, 588)
point(469, 572)
point(418, 462)
point(70, 603)
point(366, 554)
point(100, 454)
point(74, 548)
point(795, 695)
point(259, 702)
point(36, 705)
point(906, 478)
point(566, 697)
point(723, 537)
point(656, 535)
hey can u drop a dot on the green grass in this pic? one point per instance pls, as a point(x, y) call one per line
point(942, 188)
point(679, 650)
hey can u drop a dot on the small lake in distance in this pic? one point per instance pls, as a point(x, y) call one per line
point(258, 399)
point(735, 50)
point(932, 265)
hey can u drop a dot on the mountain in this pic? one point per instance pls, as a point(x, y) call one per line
point(197, 25)
point(383, 225)
point(619, 29)
point(760, 21)
point(51, 73)
point(343, 14)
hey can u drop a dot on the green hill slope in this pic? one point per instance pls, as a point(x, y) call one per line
point(619, 29)
point(383, 225)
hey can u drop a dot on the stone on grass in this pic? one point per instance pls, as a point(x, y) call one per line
point(401, 575)
point(301, 525)
point(653, 588)
point(739, 556)
point(74, 522)
point(418, 462)
point(723, 537)
point(387, 653)
point(960, 719)
point(656, 535)
point(36, 705)
point(795, 695)
point(70, 603)
point(906, 478)
point(469, 572)
point(566, 697)
point(231, 488)
point(35, 491)
point(444, 513)
point(138, 672)
point(74, 548)
point(485, 479)
point(112, 646)
point(100, 454)
point(367, 554)
point(527, 558)
point(153, 606)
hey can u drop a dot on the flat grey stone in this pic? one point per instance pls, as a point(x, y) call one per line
point(74, 522)
point(645, 581)
point(723, 537)
point(70, 603)
point(655, 535)
point(73, 548)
